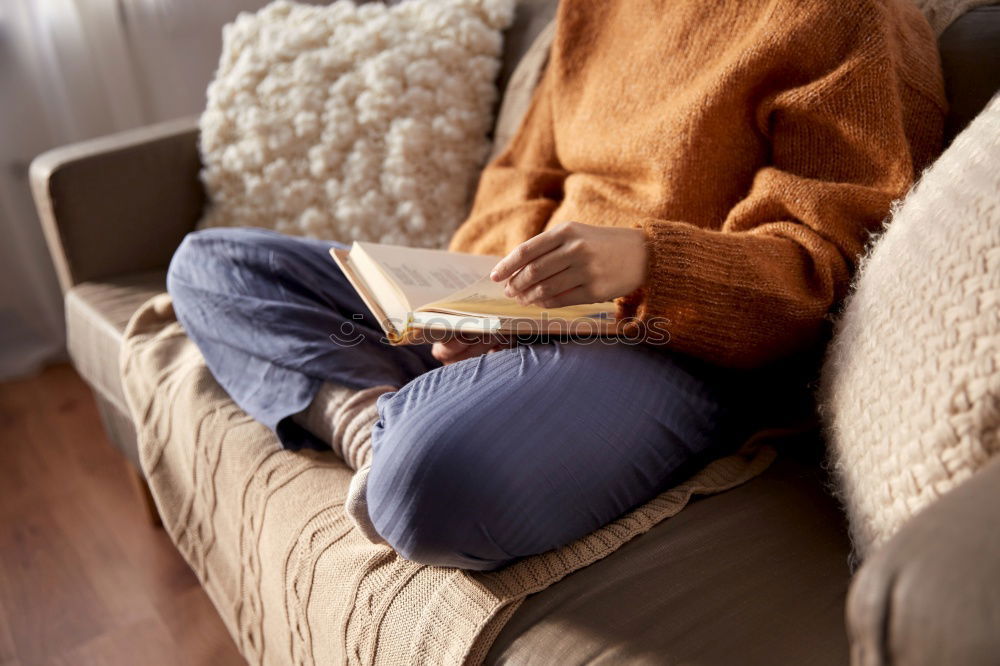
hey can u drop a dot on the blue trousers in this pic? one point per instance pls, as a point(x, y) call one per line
point(476, 463)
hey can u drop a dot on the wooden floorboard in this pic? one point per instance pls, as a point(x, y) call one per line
point(84, 578)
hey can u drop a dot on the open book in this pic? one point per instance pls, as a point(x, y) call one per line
point(412, 290)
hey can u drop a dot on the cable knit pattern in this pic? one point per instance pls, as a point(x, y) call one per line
point(911, 385)
point(351, 122)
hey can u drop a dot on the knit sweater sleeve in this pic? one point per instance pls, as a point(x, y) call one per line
point(843, 146)
point(520, 189)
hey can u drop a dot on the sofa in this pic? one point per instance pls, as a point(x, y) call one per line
point(756, 575)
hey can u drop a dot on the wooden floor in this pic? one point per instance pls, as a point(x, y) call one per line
point(84, 578)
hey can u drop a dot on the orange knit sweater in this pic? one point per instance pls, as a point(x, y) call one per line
point(757, 143)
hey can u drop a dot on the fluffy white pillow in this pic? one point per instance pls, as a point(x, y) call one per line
point(911, 385)
point(352, 122)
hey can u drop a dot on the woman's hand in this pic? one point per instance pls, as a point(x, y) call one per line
point(466, 346)
point(574, 263)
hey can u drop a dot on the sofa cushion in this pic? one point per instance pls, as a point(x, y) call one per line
point(353, 122)
point(756, 575)
point(96, 316)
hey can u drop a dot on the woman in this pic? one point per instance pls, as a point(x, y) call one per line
point(715, 166)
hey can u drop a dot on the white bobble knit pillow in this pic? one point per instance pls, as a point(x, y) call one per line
point(349, 122)
point(911, 385)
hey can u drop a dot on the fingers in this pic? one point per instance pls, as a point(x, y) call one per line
point(542, 292)
point(542, 268)
point(575, 296)
point(527, 252)
point(447, 350)
point(462, 347)
point(451, 350)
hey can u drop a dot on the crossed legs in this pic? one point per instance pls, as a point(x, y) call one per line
point(473, 464)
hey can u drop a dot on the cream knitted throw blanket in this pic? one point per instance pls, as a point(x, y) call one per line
point(911, 385)
point(265, 531)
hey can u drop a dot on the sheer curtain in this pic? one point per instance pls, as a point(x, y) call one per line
point(71, 70)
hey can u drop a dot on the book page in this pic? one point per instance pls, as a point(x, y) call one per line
point(424, 276)
point(343, 259)
point(486, 297)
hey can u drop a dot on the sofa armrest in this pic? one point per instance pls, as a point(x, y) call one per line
point(932, 594)
point(119, 204)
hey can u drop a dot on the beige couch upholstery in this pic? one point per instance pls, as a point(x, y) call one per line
point(757, 575)
point(113, 211)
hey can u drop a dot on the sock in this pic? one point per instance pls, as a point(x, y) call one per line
point(344, 418)
point(356, 505)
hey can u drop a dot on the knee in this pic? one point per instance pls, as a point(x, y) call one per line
point(204, 251)
point(195, 258)
point(201, 274)
point(215, 261)
point(186, 269)
point(431, 503)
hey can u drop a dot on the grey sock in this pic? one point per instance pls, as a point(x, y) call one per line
point(356, 505)
point(344, 418)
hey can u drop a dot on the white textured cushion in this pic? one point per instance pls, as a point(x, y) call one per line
point(911, 386)
point(353, 122)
